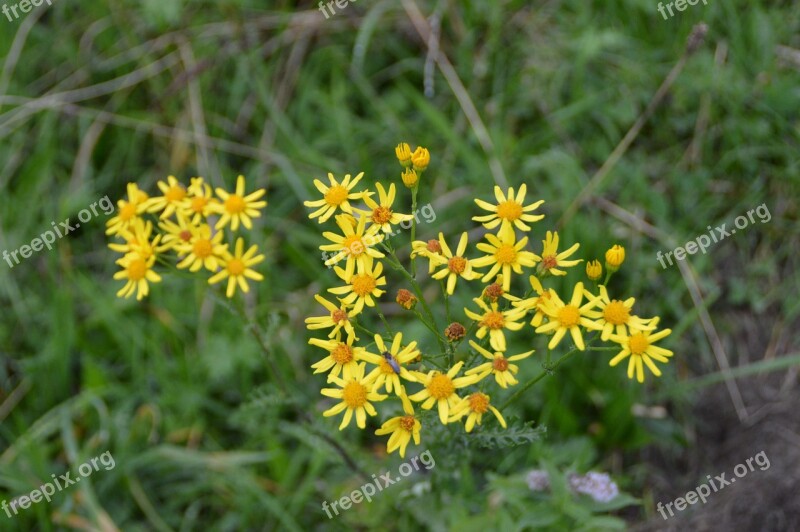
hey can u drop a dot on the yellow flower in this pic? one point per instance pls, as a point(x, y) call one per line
point(510, 210)
point(199, 202)
point(382, 214)
point(402, 429)
point(342, 357)
point(420, 159)
point(475, 405)
point(238, 207)
point(175, 234)
point(568, 317)
point(362, 286)
point(615, 314)
point(410, 178)
point(594, 270)
point(236, 268)
point(386, 373)
point(403, 152)
point(336, 196)
point(440, 389)
point(639, 346)
point(552, 260)
point(355, 394)
point(431, 250)
point(354, 244)
point(457, 265)
point(505, 255)
point(138, 272)
point(202, 249)
point(128, 210)
point(137, 239)
point(500, 365)
point(535, 303)
point(173, 194)
point(615, 257)
point(494, 322)
point(338, 318)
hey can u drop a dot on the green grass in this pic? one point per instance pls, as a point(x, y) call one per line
point(177, 387)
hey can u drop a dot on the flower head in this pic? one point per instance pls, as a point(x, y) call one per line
point(613, 313)
point(615, 257)
point(362, 285)
point(535, 303)
point(552, 260)
point(638, 345)
point(494, 321)
point(338, 318)
point(389, 361)
point(431, 250)
point(474, 406)
point(128, 211)
point(202, 249)
point(406, 299)
point(138, 272)
point(381, 213)
point(440, 389)
point(457, 265)
point(402, 430)
point(455, 331)
point(594, 270)
point(510, 210)
point(200, 202)
point(137, 239)
point(403, 152)
point(337, 196)
point(355, 394)
point(421, 158)
point(355, 244)
point(342, 357)
point(501, 366)
point(173, 193)
point(409, 177)
point(238, 207)
point(236, 268)
point(567, 317)
point(505, 254)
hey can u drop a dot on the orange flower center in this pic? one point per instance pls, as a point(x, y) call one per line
point(493, 291)
point(353, 245)
point(235, 204)
point(175, 193)
point(434, 246)
point(339, 315)
point(381, 215)
point(354, 395)
point(616, 313)
point(127, 212)
point(509, 210)
point(506, 254)
point(236, 267)
point(479, 402)
point(342, 354)
point(336, 195)
point(185, 235)
point(441, 386)
point(386, 368)
point(198, 204)
point(363, 284)
point(500, 363)
point(569, 316)
point(494, 320)
point(550, 261)
point(407, 423)
point(137, 269)
point(457, 265)
point(202, 248)
point(638, 344)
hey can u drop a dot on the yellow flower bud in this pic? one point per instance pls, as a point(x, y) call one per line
point(410, 178)
point(403, 152)
point(594, 270)
point(421, 157)
point(615, 257)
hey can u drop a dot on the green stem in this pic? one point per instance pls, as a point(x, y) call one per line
point(414, 227)
point(386, 323)
point(548, 370)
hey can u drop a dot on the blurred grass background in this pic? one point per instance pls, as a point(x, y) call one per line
point(96, 95)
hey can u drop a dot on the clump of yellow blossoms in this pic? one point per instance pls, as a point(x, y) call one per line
point(190, 225)
point(457, 379)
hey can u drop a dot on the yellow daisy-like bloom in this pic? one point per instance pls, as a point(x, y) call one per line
point(568, 317)
point(501, 366)
point(475, 405)
point(505, 254)
point(381, 213)
point(494, 322)
point(236, 268)
point(128, 211)
point(138, 272)
point(202, 249)
point(552, 260)
point(386, 373)
point(137, 240)
point(339, 318)
point(402, 429)
point(342, 357)
point(431, 250)
point(199, 202)
point(238, 207)
point(173, 193)
point(175, 234)
point(457, 265)
point(615, 257)
point(356, 394)
point(510, 210)
point(336, 196)
point(356, 244)
point(614, 313)
point(535, 303)
point(440, 389)
point(639, 347)
point(362, 285)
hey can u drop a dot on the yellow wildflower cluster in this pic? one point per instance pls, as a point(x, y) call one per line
point(191, 223)
point(382, 366)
